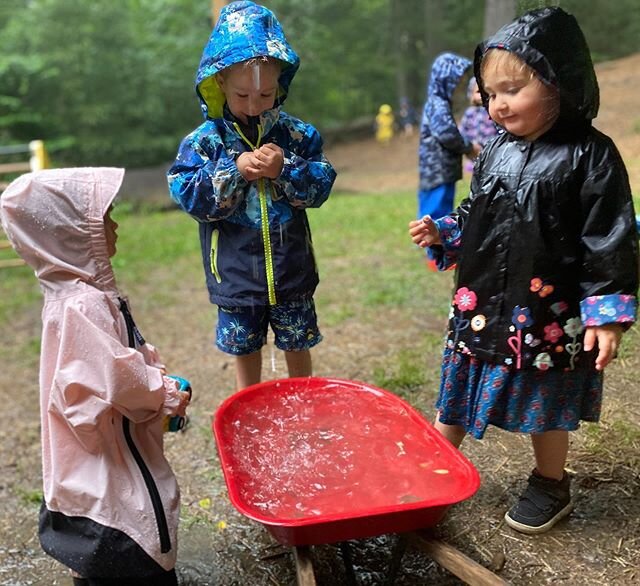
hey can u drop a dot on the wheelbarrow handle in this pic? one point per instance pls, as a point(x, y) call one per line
point(455, 561)
point(304, 566)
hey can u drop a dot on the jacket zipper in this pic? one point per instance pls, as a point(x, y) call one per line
point(213, 256)
point(135, 337)
point(264, 220)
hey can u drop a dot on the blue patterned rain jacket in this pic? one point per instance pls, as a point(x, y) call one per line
point(441, 144)
point(255, 237)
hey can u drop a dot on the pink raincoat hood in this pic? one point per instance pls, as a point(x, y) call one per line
point(55, 221)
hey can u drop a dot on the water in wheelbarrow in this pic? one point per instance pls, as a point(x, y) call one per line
point(315, 450)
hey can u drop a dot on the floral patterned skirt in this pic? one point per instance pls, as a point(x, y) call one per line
point(474, 394)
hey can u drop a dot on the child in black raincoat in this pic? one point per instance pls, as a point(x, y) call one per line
point(547, 257)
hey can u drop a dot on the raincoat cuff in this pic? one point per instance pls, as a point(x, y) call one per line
point(445, 253)
point(599, 310)
point(227, 167)
point(288, 167)
point(172, 397)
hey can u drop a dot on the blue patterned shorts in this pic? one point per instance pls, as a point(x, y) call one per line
point(474, 394)
point(243, 330)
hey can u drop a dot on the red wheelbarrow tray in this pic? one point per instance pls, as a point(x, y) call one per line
point(322, 460)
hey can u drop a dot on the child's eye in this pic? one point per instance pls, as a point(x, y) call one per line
point(268, 95)
point(242, 96)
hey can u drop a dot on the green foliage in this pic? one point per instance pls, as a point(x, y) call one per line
point(111, 83)
point(601, 21)
point(103, 81)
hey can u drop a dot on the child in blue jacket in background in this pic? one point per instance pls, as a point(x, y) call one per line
point(441, 143)
point(247, 174)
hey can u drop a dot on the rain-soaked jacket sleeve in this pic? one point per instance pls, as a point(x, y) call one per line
point(95, 372)
point(609, 280)
point(204, 179)
point(449, 228)
point(307, 176)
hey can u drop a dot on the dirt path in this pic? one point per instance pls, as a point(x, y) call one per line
point(599, 544)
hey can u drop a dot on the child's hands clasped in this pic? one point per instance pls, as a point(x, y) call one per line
point(608, 337)
point(424, 232)
point(266, 161)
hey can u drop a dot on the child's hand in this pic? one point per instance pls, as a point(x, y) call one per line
point(270, 159)
point(608, 337)
point(185, 399)
point(424, 232)
point(248, 165)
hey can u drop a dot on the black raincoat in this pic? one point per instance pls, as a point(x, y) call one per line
point(546, 242)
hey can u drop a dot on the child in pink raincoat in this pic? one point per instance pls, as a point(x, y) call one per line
point(111, 501)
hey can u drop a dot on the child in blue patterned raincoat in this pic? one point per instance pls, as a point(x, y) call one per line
point(247, 175)
point(441, 143)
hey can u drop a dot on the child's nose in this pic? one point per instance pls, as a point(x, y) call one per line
point(254, 107)
point(500, 104)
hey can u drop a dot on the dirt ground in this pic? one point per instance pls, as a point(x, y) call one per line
point(598, 545)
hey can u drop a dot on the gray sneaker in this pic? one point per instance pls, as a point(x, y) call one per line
point(544, 502)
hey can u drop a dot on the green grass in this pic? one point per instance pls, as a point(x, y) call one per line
point(18, 289)
point(366, 259)
point(29, 496)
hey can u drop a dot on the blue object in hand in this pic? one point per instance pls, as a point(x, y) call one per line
point(177, 422)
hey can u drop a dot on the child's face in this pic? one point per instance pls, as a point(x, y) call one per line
point(520, 102)
point(110, 227)
point(250, 90)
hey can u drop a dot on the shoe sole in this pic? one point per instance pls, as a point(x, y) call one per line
point(529, 530)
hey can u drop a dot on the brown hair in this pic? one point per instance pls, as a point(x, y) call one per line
point(507, 61)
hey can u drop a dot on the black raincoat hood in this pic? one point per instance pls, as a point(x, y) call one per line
point(549, 40)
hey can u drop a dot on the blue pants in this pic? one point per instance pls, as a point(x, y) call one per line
point(436, 202)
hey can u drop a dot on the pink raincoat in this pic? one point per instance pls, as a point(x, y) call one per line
point(111, 501)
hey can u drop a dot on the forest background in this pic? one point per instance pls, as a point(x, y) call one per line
point(111, 83)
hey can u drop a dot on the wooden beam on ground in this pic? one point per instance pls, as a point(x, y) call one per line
point(455, 561)
point(12, 262)
point(15, 167)
point(304, 566)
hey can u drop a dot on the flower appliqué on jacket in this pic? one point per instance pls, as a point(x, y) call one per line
point(466, 300)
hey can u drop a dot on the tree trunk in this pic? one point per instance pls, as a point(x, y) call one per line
point(216, 7)
point(496, 14)
point(401, 36)
point(434, 43)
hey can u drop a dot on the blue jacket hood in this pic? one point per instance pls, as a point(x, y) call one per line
point(245, 30)
point(446, 72)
